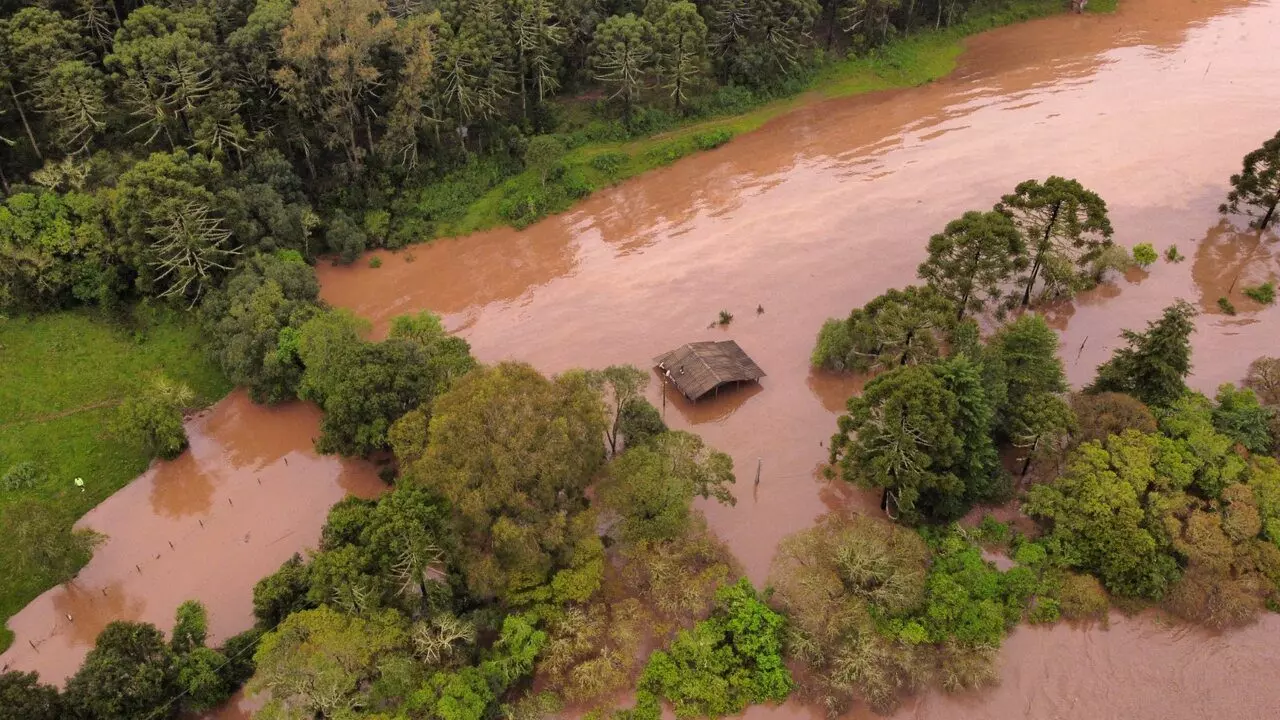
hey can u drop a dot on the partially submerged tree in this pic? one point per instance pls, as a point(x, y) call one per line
point(1065, 226)
point(1154, 365)
point(973, 258)
point(922, 434)
point(900, 327)
point(1256, 189)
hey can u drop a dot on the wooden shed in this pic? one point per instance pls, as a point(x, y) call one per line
point(703, 367)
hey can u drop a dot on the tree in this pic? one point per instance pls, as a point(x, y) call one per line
point(163, 208)
point(1257, 186)
point(900, 436)
point(1065, 227)
point(1242, 418)
point(622, 56)
point(651, 486)
point(1154, 366)
point(538, 39)
point(639, 422)
point(1264, 380)
point(622, 385)
point(1024, 354)
point(54, 251)
point(330, 50)
point(365, 387)
point(316, 661)
point(1097, 519)
point(191, 626)
point(1209, 455)
point(36, 40)
point(519, 505)
point(833, 581)
point(726, 662)
point(23, 697)
point(253, 324)
point(1101, 415)
point(281, 593)
point(152, 420)
point(972, 258)
point(74, 95)
point(543, 156)
point(680, 41)
point(198, 677)
point(900, 327)
point(129, 675)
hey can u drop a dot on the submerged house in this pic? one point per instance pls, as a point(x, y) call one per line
point(699, 368)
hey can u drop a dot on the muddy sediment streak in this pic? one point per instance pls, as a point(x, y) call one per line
point(827, 207)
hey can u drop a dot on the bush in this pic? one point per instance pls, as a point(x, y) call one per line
point(375, 262)
point(1226, 306)
point(1081, 597)
point(712, 139)
point(1046, 610)
point(1264, 293)
point(22, 476)
point(1172, 255)
point(610, 163)
point(153, 420)
point(1144, 254)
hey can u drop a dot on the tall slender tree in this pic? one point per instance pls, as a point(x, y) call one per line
point(681, 40)
point(1257, 186)
point(972, 259)
point(1065, 226)
point(1154, 365)
point(623, 56)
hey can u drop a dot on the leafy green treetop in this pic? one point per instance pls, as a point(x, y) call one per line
point(971, 260)
point(1154, 366)
point(1257, 186)
point(1065, 226)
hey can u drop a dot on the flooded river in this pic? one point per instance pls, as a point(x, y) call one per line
point(250, 493)
point(827, 207)
point(819, 211)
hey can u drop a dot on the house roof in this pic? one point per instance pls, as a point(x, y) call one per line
point(698, 368)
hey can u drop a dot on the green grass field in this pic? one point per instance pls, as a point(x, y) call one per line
point(908, 62)
point(63, 376)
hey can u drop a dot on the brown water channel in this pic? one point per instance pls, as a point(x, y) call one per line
point(248, 494)
point(827, 207)
point(814, 214)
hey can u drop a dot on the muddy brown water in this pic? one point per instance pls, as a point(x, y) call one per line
point(826, 207)
point(812, 215)
point(248, 494)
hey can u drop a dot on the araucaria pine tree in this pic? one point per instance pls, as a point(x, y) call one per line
point(1257, 187)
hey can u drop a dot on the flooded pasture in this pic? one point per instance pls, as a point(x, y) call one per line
point(248, 494)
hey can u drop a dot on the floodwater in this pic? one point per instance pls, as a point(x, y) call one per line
point(826, 207)
point(248, 494)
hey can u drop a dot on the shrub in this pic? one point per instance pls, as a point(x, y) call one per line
point(1046, 610)
point(1081, 597)
point(712, 139)
point(1172, 255)
point(1226, 306)
point(726, 317)
point(1144, 254)
point(610, 163)
point(375, 262)
point(1264, 293)
point(22, 475)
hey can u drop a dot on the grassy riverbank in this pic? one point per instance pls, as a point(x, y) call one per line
point(588, 166)
point(64, 375)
